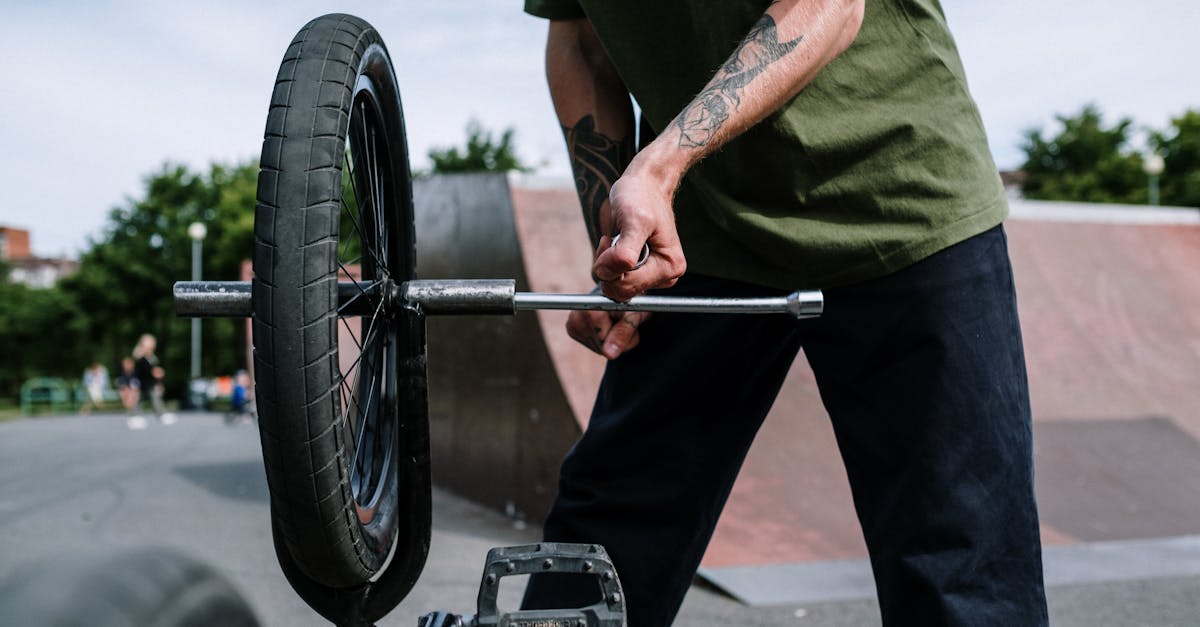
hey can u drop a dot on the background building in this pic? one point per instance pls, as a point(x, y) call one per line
point(24, 267)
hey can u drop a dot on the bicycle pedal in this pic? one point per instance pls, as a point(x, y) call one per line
point(551, 557)
point(547, 557)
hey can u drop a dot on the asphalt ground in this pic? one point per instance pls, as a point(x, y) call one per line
point(76, 485)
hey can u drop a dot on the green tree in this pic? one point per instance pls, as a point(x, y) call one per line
point(40, 334)
point(1180, 149)
point(1086, 161)
point(125, 278)
point(483, 153)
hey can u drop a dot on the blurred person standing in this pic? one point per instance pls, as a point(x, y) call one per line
point(95, 382)
point(150, 375)
point(129, 388)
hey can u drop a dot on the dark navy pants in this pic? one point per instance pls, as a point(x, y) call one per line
point(923, 375)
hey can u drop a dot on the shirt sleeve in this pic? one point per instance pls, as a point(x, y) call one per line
point(554, 9)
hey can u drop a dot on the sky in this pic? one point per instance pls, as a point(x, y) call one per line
point(97, 95)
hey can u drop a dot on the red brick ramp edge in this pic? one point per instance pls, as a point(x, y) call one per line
point(799, 583)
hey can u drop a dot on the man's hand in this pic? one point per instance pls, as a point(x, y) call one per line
point(781, 53)
point(642, 213)
point(610, 334)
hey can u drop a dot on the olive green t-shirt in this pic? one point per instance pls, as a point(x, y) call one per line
point(879, 162)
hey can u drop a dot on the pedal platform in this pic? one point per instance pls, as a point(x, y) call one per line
point(547, 557)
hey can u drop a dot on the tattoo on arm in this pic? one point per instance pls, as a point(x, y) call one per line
point(597, 161)
point(705, 115)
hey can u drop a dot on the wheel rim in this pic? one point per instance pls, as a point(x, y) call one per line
point(367, 257)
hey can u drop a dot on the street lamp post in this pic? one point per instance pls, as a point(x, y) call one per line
point(1153, 167)
point(196, 231)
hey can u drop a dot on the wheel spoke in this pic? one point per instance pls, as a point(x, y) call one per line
point(363, 423)
point(355, 408)
point(361, 427)
point(354, 180)
point(352, 336)
point(362, 160)
point(369, 338)
point(371, 175)
point(357, 285)
point(342, 307)
point(358, 227)
point(350, 392)
point(380, 242)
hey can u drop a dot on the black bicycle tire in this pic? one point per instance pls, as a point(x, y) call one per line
point(306, 451)
point(154, 587)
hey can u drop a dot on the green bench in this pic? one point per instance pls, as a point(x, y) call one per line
point(51, 393)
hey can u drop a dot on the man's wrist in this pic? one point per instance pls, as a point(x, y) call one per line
point(662, 163)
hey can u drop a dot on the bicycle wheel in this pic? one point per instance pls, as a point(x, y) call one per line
point(151, 586)
point(335, 384)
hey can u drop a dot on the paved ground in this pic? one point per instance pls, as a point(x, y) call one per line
point(89, 484)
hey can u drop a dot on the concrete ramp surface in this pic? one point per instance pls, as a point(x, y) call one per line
point(1111, 320)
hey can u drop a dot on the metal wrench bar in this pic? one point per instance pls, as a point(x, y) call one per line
point(800, 304)
point(214, 299)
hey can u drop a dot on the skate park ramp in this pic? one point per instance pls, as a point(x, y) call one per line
point(1111, 324)
point(1110, 311)
point(505, 393)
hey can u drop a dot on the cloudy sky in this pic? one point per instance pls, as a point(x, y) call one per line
point(97, 94)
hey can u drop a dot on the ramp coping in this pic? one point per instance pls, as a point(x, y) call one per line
point(1059, 211)
point(845, 580)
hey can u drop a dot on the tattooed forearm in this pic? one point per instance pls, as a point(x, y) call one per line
point(707, 113)
point(597, 161)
